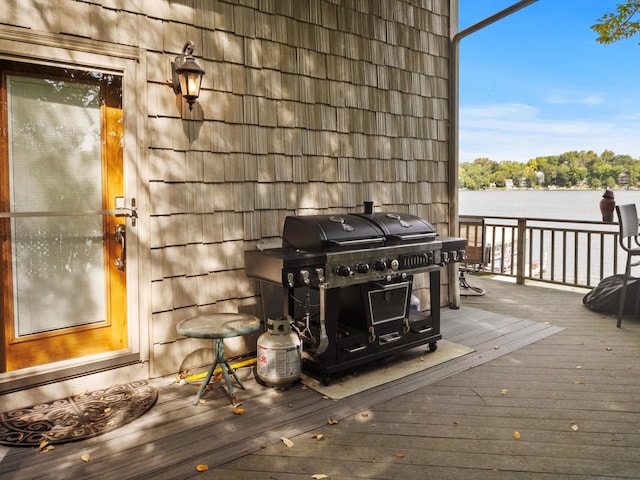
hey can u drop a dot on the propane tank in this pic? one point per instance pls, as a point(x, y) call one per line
point(279, 354)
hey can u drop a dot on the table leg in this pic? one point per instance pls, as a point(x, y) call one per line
point(232, 371)
point(209, 373)
point(218, 348)
point(226, 370)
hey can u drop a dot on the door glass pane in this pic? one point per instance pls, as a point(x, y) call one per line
point(55, 165)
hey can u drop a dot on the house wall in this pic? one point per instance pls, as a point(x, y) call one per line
point(307, 107)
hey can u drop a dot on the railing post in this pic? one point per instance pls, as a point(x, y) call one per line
point(521, 250)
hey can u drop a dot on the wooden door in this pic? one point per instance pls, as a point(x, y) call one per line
point(61, 168)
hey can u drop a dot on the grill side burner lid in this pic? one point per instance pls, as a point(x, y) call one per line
point(401, 228)
point(322, 232)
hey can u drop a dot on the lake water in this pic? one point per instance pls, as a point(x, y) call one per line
point(560, 204)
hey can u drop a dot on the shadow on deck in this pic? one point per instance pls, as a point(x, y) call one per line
point(562, 376)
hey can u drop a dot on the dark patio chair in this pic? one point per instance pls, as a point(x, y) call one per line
point(628, 223)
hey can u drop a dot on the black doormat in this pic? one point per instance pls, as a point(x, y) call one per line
point(78, 417)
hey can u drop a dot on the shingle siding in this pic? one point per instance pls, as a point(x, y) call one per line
point(307, 106)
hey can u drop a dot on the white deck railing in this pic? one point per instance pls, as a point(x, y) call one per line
point(567, 252)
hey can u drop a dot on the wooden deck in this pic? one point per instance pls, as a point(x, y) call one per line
point(566, 379)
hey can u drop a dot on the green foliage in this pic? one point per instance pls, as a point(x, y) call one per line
point(612, 27)
point(569, 170)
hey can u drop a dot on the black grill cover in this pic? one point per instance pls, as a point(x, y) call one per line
point(606, 296)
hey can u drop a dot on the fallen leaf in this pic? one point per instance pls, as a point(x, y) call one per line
point(399, 455)
point(503, 391)
point(496, 347)
point(319, 476)
point(324, 397)
point(202, 468)
point(574, 427)
point(318, 436)
point(365, 414)
point(578, 382)
point(201, 401)
point(287, 442)
point(290, 405)
point(44, 447)
point(578, 366)
point(238, 411)
point(516, 435)
point(608, 349)
point(107, 410)
point(85, 457)
point(331, 421)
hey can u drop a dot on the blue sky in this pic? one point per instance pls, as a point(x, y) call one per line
point(537, 83)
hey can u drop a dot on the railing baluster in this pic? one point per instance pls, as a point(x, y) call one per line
point(564, 257)
point(553, 255)
point(541, 254)
point(588, 259)
point(602, 237)
point(576, 252)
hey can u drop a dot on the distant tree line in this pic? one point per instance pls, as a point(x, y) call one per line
point(568, 170)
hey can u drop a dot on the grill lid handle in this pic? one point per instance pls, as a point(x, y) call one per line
point(415, 236)
point(360, 241)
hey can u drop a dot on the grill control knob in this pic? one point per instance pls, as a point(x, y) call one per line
point(395, 264)
point(380, 265)
point(344, 271)
point(362, 268)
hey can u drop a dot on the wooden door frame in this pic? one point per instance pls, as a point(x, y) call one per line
point(53, 49)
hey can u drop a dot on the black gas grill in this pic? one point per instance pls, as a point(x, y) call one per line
point(346, 282)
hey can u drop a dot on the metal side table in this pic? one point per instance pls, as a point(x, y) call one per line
point(218, 326)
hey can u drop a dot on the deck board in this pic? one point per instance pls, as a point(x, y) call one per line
point(451, 421)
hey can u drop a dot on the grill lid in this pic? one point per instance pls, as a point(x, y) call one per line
point(402, 227)
point(321, 232)
point(325, 232)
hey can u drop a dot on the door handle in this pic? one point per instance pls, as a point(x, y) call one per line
point(120, 237)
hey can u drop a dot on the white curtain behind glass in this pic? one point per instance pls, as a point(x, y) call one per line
point(55, 165)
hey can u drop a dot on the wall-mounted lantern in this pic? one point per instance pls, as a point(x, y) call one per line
point(187, 75)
